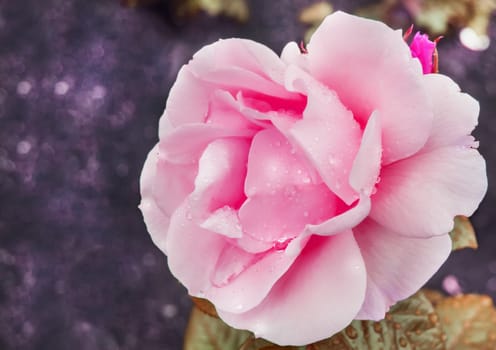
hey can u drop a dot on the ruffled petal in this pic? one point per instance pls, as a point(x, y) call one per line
point(157, 223)
point(397, 266)
point(367, 164)
point(420, 196)
point(327, 135)
point(211, 267)
point(193, 250)
point(172, 183)
point(220, 179)
point(318, 296)
point(198, 136)
point(179, 109)
point(370, 67)
point(242, 280)
point(240, 64)
point(455, 113)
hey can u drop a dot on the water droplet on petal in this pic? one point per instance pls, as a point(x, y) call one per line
point(282, 243)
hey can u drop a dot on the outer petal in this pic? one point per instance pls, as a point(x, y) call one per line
point(193, 251)
point(317, 297)
point(396, 266)
point(211, 267)
point(370, 67)
point(455, 113)
point(157, 223)
point(240, 64)
point(174, 149)
point(172, 183)
point(246, 285)
point(179, 109)
point(420, 196)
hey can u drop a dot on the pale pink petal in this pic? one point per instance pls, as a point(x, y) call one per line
point(244, 54)
point(242, 280)
point(221, 174)
point(240, 64)
point(455, 113)
point(318, 296)
point(224, 221)
point(186, 143)
point(346, 220)
point(172, 184)
point(210, 267)
point(367, 163)
point(274, 164)
point(157, 223)
point(328, 135)
point(291, 54)
point(195, 251)
point(226, 112)
point(179, 109)
point(396, 265)
point(284, 214)
point(370, 67)
point(420, 196)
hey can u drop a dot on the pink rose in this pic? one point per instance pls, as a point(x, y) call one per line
point(423, 49)
point(300, 192)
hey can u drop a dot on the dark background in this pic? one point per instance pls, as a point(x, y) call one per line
point(82, 85)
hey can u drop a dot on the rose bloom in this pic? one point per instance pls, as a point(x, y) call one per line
point(300, 192)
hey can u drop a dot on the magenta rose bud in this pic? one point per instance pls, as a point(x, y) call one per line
point(302, 191)
point(423, 49)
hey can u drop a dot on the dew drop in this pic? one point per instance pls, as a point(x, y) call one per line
point(282, 243)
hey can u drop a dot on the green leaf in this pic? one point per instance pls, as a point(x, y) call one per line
point(410, 324)
point(463, 234)
point(469, 322)
point(205, 332)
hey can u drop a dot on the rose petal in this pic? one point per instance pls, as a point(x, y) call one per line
point(420, 196)
point(156, 221)
point(224, 221)
point(240, 64)
point(274, 164)
point(196, 251)
point(172, 183)
point(250, 278)
point(328, 135)
point(318, 296)
point(367, 163)
point(179, 110)
point(370, 67)
point(284, 214)
point(175, 150)
point(220, 179)
point(348, 219)
point(292, 55)
point(455, 113)
point(396, 265)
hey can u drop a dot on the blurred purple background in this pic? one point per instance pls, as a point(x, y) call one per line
point(82, 85)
